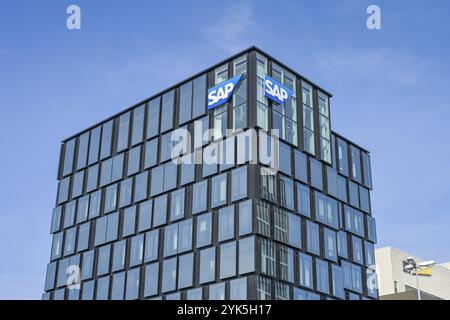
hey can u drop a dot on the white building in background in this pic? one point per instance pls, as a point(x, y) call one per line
point(395, 284)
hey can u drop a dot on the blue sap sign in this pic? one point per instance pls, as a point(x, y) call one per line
point(222, 92)
point(275, 91)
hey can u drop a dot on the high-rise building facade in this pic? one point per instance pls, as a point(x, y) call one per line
point(130, 222)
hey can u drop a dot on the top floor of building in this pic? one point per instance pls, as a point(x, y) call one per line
point(303, 119)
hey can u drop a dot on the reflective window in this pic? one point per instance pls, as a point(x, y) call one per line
point(199, 196)
point(342, 156)
point(111, 198)
point(138, 125)
point(134, 160)
point(118, 286)
point(371, 229)
point(195, 294)
point(239, 183)
point(286, 263)
point(170, 240)
point(330, 244)
point(88, 290)
point(69, 214)
point(301, 166)
point(177, 205)
point(326, 210)
point(151, 245)
point(199, 96)
point(94, 204)
point(357, 250)
point(169, 275)
point(342, 188)
point(246, 255)
point(308, 118)
point(185, 112)
point(129, 221)
point(324, 123)
point(370, 254)
point(151, 153)
point(245, 217)
point(207, 265)
point(69, 243)
point(238, 289)
point(140, 186)
point(125, 192)
point(136, 250)
point(83, 209)
point(56, 220)
point(151, 279)
point(160, 210)
point(285, 158)
point(322, 276)
point(69, 151)
point(342, 244)
point(367, 170)
point(87, 268)
point(83, 236)
point(306, 270)
point(123, 131)
point(167, 111)
point(145, 215)
point(316, 174)
point(268, 185)
point(337, 281)
point(356, 163)
point(312, 239)
point(185, 235)
point(268, 257)
point(119, 250)
point(187, 171)
point(103, 260)
point(303, 199)
point(228, 260)
point(332, 181)
point(105, 150)
point(287, 192)
point(92, 178)
point(94, 145)
point(132, 289)
point(354, 194)
point(219, 190)
point(106, 228)
point(77, 185)
point(185, 270)
point(226, 223)
point(364, 199)
point(295, 231)
point(203, 230)
point(63, 190)
point(153, 118)
point(217, 291)
point(103, 288)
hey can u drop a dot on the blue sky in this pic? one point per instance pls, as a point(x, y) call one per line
point(390, 86)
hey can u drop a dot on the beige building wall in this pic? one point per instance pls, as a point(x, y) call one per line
point(392, 279)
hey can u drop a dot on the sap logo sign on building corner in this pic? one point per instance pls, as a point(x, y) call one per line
point(275, 91)
point(222, 92)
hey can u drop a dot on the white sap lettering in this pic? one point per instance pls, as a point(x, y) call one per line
point(222, 93)
point(276, 91)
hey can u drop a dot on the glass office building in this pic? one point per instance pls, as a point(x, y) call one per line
point(130, 223)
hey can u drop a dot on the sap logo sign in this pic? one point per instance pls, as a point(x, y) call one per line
point(275, 91)
point(222, 92)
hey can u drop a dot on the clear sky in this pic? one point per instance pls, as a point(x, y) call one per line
point(390, 86)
